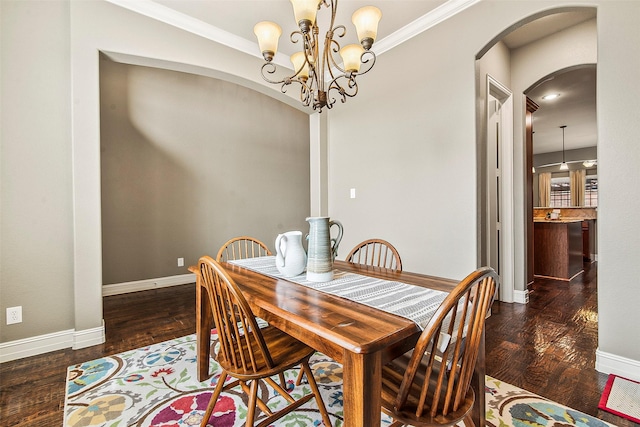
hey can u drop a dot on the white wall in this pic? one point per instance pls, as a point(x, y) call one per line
point(398, 143)
point(618, 101)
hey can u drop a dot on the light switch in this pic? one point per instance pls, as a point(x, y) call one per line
point(353, 193)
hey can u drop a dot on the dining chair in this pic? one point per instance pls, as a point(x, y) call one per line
point(431, 385)
point(377, 253)
point(252, 355)
point(242, 247)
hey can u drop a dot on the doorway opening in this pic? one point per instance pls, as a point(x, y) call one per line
point(519, 56)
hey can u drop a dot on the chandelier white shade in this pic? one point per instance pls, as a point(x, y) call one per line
point(366, 21)
point(268, 34)
point(322, 75)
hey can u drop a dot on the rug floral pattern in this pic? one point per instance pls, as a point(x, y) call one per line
point(157, 386)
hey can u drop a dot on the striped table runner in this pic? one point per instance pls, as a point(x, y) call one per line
point(412, 302)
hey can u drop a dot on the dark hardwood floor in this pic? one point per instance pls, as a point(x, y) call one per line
point(547, 347)
point(32, 389)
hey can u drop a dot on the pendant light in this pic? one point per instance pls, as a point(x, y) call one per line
point(563, 166)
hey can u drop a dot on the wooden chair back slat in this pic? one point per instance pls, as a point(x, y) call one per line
point(241, 341)
point(242, 247)
point(377, 253)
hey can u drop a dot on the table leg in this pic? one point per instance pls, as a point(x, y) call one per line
point(203, 332)
point(362, 388)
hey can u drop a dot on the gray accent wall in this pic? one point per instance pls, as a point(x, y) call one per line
point(188, 162)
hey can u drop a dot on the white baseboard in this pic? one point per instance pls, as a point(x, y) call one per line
point(88, 337)
point(144, 285)
point(40, 344)
point(614, 364)
point(71, 338)
point(521, 297)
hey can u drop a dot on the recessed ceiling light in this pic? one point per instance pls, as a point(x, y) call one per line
point(550, 96)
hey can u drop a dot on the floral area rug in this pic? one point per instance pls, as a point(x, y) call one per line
point(157, 386)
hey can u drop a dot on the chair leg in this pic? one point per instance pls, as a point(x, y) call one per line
point(283, 382)
point(251, 406)
point(468, 421)
point(282, 391)
point(300, 375)
point(214, 399)
point(263, 406)
point(314, 388)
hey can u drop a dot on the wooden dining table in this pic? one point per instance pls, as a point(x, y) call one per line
point(360, 337)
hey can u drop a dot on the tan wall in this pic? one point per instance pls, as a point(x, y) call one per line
point(36, 217)
point(187, 162)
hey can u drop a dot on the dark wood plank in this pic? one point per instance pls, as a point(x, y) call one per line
point(548, 346)
point(32, 389)
point(339, 324)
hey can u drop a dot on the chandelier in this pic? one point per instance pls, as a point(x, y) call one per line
point(322, 79)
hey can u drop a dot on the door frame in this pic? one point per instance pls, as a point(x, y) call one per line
point(507, 235)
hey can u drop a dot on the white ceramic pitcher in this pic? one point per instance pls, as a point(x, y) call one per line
point(322, 248)
point(291, 258)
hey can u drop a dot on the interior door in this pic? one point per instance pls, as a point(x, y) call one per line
point(494, 184)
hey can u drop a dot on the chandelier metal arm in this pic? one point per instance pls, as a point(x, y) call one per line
point(333, 47)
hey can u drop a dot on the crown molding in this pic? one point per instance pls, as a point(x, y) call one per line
point(195, 26)
point(423, 23)
point(188, 23)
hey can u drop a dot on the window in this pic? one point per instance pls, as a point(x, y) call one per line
point(560, 192)
point(591, 191)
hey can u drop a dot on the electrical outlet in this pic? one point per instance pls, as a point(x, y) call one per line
point(180, 262)
point(14, 315)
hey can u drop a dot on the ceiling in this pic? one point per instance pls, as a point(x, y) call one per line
point(239, 16)
point(574, 108)
point(576, 105)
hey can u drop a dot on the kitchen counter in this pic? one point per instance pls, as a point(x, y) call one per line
point(578, 213)
point(558, 248)
point(560, 220)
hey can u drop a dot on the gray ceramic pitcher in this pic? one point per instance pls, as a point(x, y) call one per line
point(322, 249)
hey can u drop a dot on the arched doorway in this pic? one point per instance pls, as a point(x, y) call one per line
point(527, 60)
